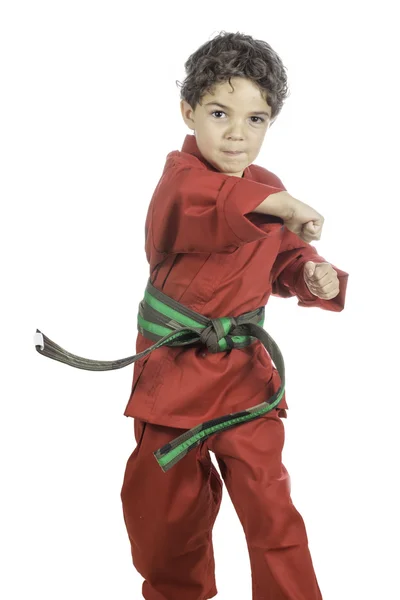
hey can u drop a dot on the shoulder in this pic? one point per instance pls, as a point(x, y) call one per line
point(263, 175)
point(183, 160)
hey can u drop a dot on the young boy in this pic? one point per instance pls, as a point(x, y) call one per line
point(214, 246)
point(222, 235)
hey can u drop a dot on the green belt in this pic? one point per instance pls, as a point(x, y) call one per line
point(169, 323)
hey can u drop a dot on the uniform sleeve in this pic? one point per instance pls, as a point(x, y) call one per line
point(288, 279)
point(199, 210)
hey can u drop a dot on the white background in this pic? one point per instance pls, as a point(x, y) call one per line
point(89, 111)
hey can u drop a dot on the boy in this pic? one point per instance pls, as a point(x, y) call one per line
point(222, 234)
point(213, 246)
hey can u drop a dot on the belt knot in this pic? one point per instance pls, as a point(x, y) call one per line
point(217, 330)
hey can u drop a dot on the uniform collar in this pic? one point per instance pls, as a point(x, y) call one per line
point(190, 146)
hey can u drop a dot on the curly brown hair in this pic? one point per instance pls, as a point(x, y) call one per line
point(235, 55)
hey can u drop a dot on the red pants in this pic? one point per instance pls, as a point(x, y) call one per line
point(170, 516)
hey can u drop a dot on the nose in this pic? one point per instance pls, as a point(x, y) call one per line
point(235, 135)
point(234, 131)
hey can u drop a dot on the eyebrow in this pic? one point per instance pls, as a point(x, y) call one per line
point(257, 112)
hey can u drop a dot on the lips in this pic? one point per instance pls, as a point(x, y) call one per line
point(233, 151)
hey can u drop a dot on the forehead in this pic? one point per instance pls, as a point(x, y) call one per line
point(242, 93)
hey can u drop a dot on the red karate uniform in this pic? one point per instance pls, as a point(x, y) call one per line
point(209, 251)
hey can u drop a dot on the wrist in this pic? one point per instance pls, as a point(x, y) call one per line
point(281, 204)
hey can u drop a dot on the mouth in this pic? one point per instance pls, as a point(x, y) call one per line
point(233, 153)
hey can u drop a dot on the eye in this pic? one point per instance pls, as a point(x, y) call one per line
point(261, 120)
point(217, 111)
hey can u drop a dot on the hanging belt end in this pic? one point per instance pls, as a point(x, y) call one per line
point(38, 339)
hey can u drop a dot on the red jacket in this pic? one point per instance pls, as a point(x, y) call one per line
point(207, 250)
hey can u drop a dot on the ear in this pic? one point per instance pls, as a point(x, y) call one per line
point(187, 113)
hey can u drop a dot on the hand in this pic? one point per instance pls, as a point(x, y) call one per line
point(303, 220)
point(321, 279)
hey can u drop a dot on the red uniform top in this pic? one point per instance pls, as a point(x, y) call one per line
point(210, 252)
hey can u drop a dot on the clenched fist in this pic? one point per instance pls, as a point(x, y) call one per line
point(321, 279)
point(303, 220)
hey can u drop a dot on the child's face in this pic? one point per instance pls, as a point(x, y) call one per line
point(241, 126)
